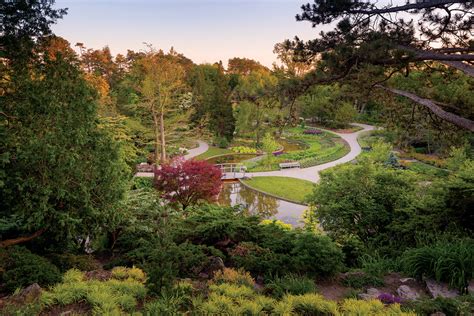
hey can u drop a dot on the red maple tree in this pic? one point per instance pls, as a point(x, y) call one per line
point(188, 181)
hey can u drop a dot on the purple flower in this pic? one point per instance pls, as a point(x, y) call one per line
point(312, 131)
point(388, 298)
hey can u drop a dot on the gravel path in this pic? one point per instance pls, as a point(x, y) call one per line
point(312, 173)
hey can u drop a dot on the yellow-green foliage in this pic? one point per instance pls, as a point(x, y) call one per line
point(232, 276)
point(278, 223)
point(111, 297)
point(353, 307)
point(309, 304)
point(233, 299)
point(244, 150)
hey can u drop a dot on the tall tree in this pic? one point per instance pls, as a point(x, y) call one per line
point(253, 89)
point(61, 175)
point(212, 91)
point(367, 35)
point(163, 81)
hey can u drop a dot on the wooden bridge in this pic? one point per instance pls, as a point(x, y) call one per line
point(232, 170)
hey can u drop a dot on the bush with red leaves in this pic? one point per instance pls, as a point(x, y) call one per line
point(188, 182)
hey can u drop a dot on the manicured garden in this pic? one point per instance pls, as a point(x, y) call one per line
point(291, 189)
point(317, 147)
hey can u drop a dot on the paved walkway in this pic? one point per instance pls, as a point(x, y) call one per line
point(312, 173)
point(202, 148)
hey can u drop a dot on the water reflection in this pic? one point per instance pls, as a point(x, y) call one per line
point(235, 193)
point(231, 158)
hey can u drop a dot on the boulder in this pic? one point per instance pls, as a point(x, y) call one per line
point(407, 293)
point(437, 289)
point(371, 294)
point(30, 293)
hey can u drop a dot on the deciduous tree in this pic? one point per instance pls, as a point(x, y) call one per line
point(188, 182)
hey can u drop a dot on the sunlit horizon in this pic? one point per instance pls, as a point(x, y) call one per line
point(205, 31)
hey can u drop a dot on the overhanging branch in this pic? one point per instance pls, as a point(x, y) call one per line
point(407, 7)
point(434, 108)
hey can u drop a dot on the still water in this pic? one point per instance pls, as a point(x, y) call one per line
point(231, 158)
point(234, 193)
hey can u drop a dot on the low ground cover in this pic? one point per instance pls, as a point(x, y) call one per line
point(287, 188)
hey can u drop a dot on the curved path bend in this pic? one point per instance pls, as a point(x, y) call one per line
point(202, 148)
point(312, 173)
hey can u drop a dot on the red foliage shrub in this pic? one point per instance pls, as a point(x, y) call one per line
point(188, 181)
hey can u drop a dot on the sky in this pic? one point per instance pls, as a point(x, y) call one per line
point(203, 30)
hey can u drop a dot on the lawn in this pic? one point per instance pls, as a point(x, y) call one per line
point(213, 151)
point(287, 188)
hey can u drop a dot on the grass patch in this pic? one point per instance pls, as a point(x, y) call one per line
point(426, 169)
point(288, 188)
point(213, 151)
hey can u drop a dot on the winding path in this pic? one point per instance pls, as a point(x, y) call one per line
point(201, 149)
point(310, 174)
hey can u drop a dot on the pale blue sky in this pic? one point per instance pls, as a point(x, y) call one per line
point(203, 30)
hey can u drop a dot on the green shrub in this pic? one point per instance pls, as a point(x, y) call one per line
point(289, 284)
point(24, 268)
point(221, 142)
point(315, 255)
point(68, 261)
point(359, 279)
point(258, 260)
point(445, 261)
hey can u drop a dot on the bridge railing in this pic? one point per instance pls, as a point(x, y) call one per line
point(232, 170)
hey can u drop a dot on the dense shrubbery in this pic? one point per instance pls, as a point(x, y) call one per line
point(23, 268)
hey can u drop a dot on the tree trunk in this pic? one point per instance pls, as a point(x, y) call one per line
point(19, 240)
point(157, 137)
point(162, 133)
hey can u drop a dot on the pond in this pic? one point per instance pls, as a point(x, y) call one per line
point(231, 158)
point(268, 207)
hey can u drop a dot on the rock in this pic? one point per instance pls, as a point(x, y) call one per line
point(437, 289)
point(405, 280)
point(438, 314)
point(470, 287)
point(371, 294)
point(203, 275)
point(407, 293)
point(30, 293)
